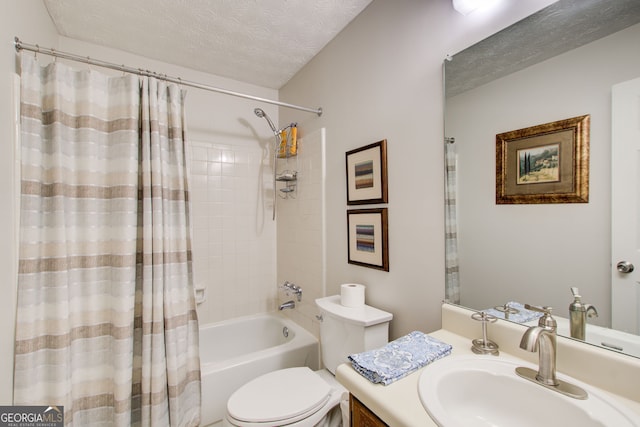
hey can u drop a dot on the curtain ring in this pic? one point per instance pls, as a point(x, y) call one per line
point(53, 53)
point(36, 52)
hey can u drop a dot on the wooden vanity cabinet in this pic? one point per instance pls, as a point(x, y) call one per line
point(361, 416)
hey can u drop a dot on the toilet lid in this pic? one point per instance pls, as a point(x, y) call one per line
point(279, 395)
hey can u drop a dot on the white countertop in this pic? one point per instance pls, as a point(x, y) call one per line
point(399, 405)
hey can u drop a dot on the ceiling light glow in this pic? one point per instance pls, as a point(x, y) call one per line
point(465, 7)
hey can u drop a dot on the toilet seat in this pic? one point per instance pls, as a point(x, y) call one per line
point(279, 397)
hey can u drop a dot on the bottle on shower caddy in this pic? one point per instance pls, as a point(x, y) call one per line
point(287, 149)
point(288, 141)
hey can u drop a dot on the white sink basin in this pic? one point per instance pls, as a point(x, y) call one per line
point(468, 391)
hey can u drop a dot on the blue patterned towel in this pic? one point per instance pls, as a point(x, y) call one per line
point(522, 316)
point(399, 358)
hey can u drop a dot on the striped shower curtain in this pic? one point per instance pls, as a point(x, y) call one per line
point(106, 323)
point(452, 280)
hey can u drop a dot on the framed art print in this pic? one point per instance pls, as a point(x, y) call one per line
point(367, 238)
point(367, 174)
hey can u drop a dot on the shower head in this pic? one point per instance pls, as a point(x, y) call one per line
point(260, 113)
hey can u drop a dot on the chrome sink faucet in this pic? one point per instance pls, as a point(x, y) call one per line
point(543, 339)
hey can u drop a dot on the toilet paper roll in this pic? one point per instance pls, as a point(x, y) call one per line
point(352, 295)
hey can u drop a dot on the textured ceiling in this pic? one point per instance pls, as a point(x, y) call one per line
point(556, 29)
point(264, 42)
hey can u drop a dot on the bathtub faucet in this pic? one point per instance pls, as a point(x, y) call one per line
point(289, 304)
point(290, 287)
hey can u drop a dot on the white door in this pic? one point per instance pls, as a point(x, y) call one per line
point(625, 201)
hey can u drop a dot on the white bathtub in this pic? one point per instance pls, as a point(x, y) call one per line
point(236, 351)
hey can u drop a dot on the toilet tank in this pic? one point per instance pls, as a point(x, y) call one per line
point(346, 330)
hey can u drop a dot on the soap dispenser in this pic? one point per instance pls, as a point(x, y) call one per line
point(578, 312)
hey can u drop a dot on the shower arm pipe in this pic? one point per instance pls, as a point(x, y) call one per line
point(19, 45)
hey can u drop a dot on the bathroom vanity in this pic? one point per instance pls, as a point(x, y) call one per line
point(362, 416)
point(613, 375)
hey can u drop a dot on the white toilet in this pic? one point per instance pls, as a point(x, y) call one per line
point(300, 397)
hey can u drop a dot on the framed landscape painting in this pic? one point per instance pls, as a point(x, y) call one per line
point(548, 163)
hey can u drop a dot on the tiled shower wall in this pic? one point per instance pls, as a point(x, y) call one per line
point(301, 225)
point(234, 238)
point(239, 258)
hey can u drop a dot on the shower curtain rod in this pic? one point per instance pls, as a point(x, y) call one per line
point(19, 45)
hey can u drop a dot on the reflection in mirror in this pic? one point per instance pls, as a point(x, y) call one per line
point(557, 64)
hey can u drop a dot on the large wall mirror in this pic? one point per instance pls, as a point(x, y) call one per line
point(559, 63)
